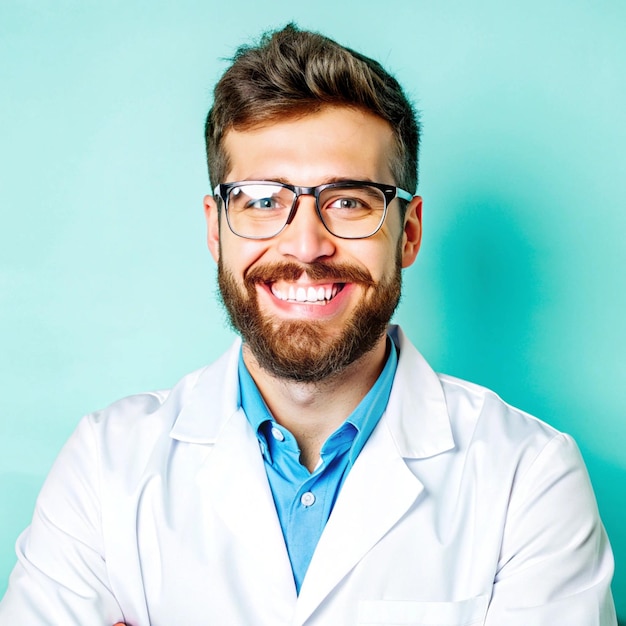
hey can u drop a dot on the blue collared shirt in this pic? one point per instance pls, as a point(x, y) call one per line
point(304, 500)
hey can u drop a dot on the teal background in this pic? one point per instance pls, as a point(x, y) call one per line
point(106, 287)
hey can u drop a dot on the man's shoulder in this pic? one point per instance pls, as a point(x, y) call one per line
point(503, 436)
point(475, 403)
point(158, 410)
point(465, 405)
point(143, 408)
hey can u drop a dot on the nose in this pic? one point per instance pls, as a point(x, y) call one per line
point(305, 238)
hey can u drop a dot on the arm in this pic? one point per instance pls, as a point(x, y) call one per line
point(556, 563)
point(61, 575)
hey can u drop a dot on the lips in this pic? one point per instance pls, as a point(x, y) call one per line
point(316, 283)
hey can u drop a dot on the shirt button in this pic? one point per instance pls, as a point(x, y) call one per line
point(277, 434)
point(307, 499)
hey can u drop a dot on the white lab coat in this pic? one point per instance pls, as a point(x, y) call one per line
point(460, 510)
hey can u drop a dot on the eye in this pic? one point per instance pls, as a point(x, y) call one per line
point(348, 207)
point(265, 204)
point(259, 198)
point(346, 203)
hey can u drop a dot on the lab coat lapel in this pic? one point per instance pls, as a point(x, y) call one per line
point(378, 491)
point(381, 487)
point(232, 480)
point(235, 487)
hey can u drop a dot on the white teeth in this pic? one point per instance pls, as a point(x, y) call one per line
point(308, 294)
point(279, 294)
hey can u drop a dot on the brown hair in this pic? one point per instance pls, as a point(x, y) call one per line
point(293, 72)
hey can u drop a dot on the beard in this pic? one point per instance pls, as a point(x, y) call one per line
point(301, 350)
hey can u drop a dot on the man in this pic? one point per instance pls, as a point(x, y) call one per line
point(320, 472)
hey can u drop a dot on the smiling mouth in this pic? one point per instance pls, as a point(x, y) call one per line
point(320, 294)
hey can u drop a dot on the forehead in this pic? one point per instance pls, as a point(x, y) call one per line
point(336, 142)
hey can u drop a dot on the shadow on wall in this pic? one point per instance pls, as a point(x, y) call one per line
point(493, 290)
point(500, 297)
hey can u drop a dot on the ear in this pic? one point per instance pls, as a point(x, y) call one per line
point(211, 214)
point(412, 235)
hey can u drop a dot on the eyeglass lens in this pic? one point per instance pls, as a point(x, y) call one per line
point(262, 210)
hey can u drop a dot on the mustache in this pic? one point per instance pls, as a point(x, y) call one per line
point(317, 270)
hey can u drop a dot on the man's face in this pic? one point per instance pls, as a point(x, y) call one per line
point(307, 303)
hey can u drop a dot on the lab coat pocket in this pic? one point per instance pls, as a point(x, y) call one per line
point(471, 612)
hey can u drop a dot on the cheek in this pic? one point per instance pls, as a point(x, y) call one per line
point(380, 260)
point(238, 255)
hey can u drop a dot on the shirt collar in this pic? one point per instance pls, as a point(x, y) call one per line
point(252, 402)
point(416, 415)
point(369, 411)
point(364, 417)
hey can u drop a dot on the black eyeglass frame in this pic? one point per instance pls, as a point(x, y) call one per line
point(390, 193)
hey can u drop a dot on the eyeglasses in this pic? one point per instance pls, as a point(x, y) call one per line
point(348, 209)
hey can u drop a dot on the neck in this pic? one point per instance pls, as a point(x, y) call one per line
point(312, 411)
